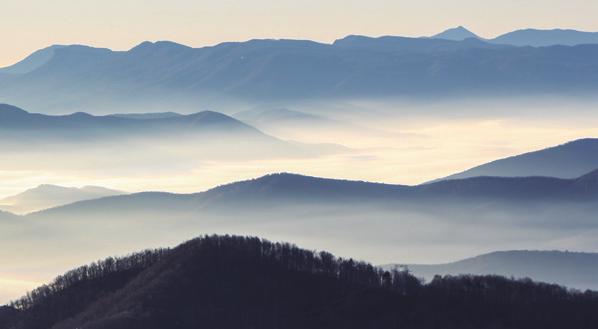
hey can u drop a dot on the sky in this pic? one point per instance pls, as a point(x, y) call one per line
point(28, 25)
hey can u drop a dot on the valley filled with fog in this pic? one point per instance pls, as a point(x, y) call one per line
point(392, 142)
point(397, 142)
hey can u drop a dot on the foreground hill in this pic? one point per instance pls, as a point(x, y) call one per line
point(258, 71)
point(50, 196)
point(571, 269)
point(568, 160)
point(237, 282)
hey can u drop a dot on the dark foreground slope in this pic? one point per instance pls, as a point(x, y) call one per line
point(237, 282)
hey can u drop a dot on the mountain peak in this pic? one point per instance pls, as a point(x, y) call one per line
point(458, 33)
point(161, 45)
point(47, 196)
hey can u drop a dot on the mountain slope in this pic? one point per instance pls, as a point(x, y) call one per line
point(299, 125)
point(6, 215)
point(285, 186)
point(571, 269)
point(236, 282)
point(281, 116)
point(568, 160)
point(298, 189)
point(32, 62)
point(49, 196)
point(544, 38)
point(146, 116)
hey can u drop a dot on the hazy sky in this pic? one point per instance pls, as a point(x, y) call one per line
point(27, 25)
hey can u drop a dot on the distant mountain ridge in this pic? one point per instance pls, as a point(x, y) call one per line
point(297, 187)
point(50, 196)
point(6, 215)
point(280, 188)
point(162, 73)
point(206, 135)
point(571, 269)
point(568, 160)
point(545, 38)
point(13, 118)
point(526, 37)
point(281, 115)
point(19, 125)
point(147, 116)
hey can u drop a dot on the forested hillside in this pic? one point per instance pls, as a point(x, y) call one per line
point(242, 282)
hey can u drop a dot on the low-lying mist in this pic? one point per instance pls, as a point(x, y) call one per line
point(395, 142)
point(43, 245)
point(391, 141)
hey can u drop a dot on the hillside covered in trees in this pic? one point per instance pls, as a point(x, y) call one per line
point(244, 282)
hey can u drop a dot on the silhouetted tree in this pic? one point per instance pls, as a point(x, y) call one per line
point(245, 282)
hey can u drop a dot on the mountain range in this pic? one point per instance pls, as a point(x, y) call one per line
point(168, 75)
point(571, 269)
point(50, 196)
point(242, 282)
point(14, 120)
point(544, 212)
point(278, 188)
point(568, 160)
point(526, 37)
point(212, 135)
